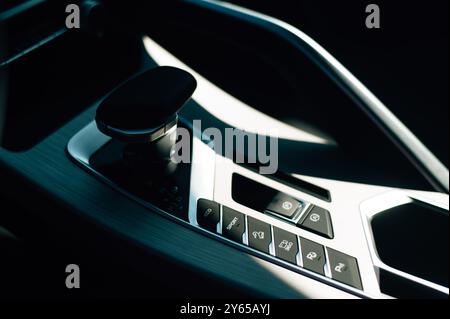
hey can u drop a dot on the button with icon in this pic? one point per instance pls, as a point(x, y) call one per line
point(208, 214)
point(313, 255)
point(259, 234)
point(286, 246)
point(318, 220)
point(284, 205)
point(233, 224)
point(344, 268)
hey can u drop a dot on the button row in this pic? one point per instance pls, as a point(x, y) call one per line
point(317, 220)
point(260, 236)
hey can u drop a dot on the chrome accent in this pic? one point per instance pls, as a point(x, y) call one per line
point(411, 146)
point(272, 242)
point(150, 135)
point(245, 234)
point(220, 223)
point(380, 204)
point(299, 256)
point(86, 142)
point(327, 266)
point(202, 167)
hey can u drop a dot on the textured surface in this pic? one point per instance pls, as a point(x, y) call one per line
point(51, 174)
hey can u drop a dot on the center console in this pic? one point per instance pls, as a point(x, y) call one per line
point(331, 231)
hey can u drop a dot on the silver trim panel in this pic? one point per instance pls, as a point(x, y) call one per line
point(431, 167)
point(215, 184)
point(380, 204)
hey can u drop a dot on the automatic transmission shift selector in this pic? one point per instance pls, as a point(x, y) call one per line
point(142, 112)
point(145, 107)
point(140, 117)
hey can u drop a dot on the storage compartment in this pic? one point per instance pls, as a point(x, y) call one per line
point(399, 287)
point(413, 238)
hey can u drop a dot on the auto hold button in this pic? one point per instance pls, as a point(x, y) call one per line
point(344, 268)
point(208, 214)
point(286, 245)
point(233, 224)
point(318, 220)
point(313, 256)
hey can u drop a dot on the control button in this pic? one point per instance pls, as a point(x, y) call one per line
point(318, 220)
point(208, 214)
point(344, 268)
point(313, 256)
point(286, 245)
point(259, 235)
point(284, 205)
point(233, 224)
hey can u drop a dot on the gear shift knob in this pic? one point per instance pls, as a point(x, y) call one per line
point(144, 108)
point(142, 114)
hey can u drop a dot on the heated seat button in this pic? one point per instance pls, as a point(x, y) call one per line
point(208, 214)
point(283, 205)
point(233, 224)
point(313, 256)
point(259, 235)
point(286, 245)
point(344, 268)
point(318, 220)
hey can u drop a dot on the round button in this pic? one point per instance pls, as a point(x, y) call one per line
point(287, 205)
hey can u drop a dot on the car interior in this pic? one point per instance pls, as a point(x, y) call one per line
point(212, 149)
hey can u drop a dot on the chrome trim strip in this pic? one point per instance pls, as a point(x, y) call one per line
point(430, 166)
point(245, 234)
point(92, 139)
point(299, 256)
point(327, 266)
point(272, 242)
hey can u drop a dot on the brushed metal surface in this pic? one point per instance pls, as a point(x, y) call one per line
point(47, 168)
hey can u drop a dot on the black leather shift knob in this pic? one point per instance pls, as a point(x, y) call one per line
point(144, 108)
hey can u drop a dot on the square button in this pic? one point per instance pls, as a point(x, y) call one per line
point(318, 221)
point(284, 205)
point(313, 255)
point(208, 214)
point(259, 235)
point(233, 224)
point(286, 245)
point(344, 268)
